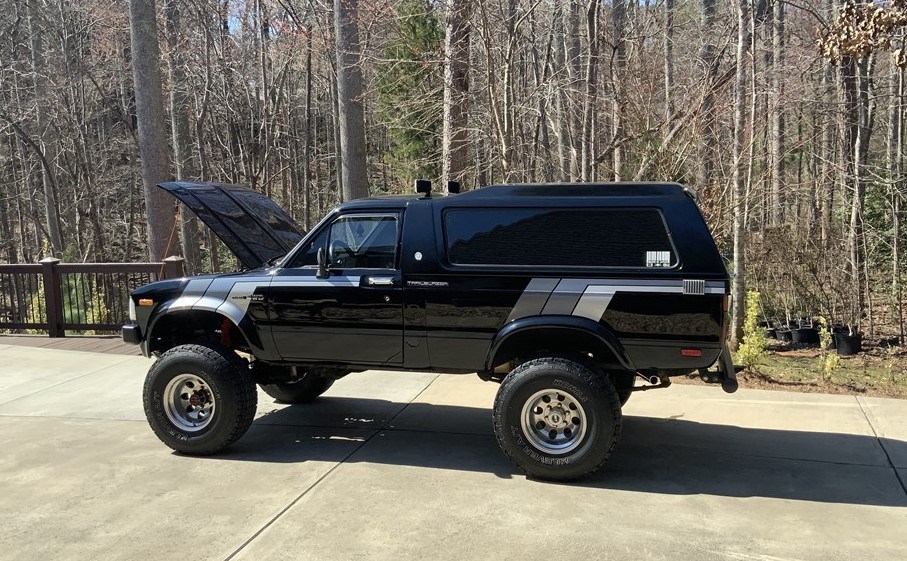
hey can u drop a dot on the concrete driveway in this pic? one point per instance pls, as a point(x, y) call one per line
point(403, 466)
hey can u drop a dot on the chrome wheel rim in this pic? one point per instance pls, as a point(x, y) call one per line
point(189, 402)
point(553, 421)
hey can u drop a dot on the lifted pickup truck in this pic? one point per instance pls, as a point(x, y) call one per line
point(570, 296)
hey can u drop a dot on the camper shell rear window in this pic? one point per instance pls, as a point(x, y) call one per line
point(616, 237)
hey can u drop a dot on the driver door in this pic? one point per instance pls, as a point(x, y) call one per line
point(355, 315)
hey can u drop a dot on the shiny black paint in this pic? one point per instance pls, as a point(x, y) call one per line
point(355, 323)
point(529, 335)
point(445, 317)
point(253, 226)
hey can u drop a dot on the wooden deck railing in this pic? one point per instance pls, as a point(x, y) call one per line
point(58, 297)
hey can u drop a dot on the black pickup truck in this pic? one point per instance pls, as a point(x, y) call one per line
point(570, 296)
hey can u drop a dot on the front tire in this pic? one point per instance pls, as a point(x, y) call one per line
point(557, 418)
point(199, 398)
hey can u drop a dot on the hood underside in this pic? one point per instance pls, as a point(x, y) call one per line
point(250, 224)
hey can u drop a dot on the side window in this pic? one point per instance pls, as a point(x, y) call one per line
point(567, 237)
point(363, 242)
point(308, 256)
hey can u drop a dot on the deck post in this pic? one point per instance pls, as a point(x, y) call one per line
point(174, 267)
point(53, 297)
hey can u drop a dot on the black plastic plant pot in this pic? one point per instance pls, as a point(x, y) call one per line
point(805, 336)
point(848, 345)
point(785, 335)
point(771, 333)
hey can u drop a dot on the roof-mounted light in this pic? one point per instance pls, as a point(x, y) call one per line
point(423, 186)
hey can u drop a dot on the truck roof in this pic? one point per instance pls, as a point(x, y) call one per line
point(566, 190)
point(615, 189)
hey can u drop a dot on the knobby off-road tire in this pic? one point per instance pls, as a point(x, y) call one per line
point(557, 418)
point(303, 390)
point(199, 398)
point(623, 384)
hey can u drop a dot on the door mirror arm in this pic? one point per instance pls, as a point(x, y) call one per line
point(322, 265)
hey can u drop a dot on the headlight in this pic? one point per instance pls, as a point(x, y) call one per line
point(131, 309)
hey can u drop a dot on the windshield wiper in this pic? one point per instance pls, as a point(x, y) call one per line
point(272, 261)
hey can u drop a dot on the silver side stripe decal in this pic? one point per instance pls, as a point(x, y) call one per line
point(591, 297)
point(237, 301)
point(533, 299)
point(190, 296)
point(231, 297)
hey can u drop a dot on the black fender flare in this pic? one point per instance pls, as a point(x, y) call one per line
point(247, 332)
point(536, 325)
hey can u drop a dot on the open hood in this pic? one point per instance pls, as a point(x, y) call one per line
point(251, 225)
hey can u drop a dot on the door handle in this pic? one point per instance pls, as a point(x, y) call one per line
point(380, 281)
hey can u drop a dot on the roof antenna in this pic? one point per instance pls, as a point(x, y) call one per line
point(423, 186)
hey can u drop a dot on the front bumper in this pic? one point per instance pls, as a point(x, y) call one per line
point(132, 334)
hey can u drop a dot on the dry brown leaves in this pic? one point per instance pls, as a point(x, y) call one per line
point(864, 27)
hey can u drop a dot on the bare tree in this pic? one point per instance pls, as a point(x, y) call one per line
point(152, 135)
point(456, 91)
point(45, 141)
point(708, 61)
point(618, 69)
point(738, 310)
point(587, 142)
point(179, 128)
point(349, 93)
point(776, 118)
point(669, 58)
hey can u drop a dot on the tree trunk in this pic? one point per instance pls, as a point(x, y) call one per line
point(669, 60)
point(618, 71)
point(152, 135)
point(45, 141)
point(860, 144)
point(349, 94)
point(776, 123)
point(826, 182)
point(307, 146)
point(456, 92)
point(896, 210)
point(573, 118)
point(739, 289)
point(179, 130)
point(586, 142)
point(707, 58)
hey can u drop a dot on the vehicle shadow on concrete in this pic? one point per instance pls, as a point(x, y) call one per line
point(654, 455)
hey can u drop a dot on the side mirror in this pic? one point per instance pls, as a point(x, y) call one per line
point(322, 265)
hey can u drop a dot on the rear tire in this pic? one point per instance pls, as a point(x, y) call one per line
point(623, 384)
point(199, 398)
point(302, 390)
point(557, 418)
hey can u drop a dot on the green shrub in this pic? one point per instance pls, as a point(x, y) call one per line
point(828, 362)
point(752, 350)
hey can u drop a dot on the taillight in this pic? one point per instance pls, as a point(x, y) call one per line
point(726, 303)
point(691, 352)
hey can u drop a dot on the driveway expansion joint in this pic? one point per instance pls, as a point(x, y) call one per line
point(324, 476)
point(897, 474)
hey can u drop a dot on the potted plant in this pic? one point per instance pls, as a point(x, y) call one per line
point(848, 342)
point(806, 333)
point(848, 338)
